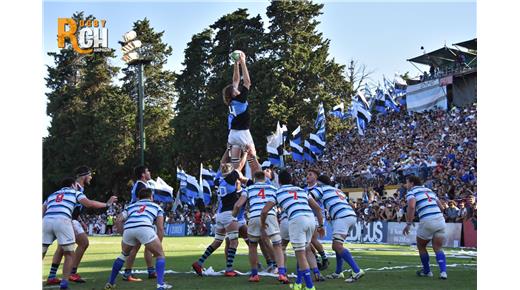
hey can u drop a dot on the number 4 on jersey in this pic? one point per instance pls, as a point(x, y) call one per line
point(261, 193)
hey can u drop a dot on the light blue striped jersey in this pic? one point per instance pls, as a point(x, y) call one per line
point(334, 201)
point(293, 200)
point(425, 202)
point(257, 196)
point(308, 189)
point(62, 202)
point(142, 213)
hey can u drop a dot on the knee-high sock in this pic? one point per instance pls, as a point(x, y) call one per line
point(160, 265)
point(441, 260)
point(116, 267)
point(425, 260)
point(339, 263)
point(207, 253)
point(52, 272)
point(348, 258)
point(299, 275)
point(307, 277)
point(230, 258)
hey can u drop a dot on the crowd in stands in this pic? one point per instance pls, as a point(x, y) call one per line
point(438, 146)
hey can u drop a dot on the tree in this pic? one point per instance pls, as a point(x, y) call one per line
point(357, 76)
point(90, 121)
point(193, 118)
point(201, 121)
point(304, 74)
point(159, 90)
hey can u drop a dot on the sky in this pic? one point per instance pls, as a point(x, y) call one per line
point(380, 35)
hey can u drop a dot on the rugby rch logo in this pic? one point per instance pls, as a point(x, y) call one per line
point(92, 35)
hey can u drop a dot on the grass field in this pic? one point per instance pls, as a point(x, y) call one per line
point(386, 266)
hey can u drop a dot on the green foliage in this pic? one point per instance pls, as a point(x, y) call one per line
point(159, 90)
point(94, 122)
point(91, 121)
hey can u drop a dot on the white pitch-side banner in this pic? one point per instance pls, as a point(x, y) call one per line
point(426, 96)
point(395, 234)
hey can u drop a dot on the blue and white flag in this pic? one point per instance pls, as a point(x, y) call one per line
point(360, 97)
point(208, 175)
point(162, 192)
point(181, 175)
point(368, 96)
point(206, 190)
point(319, 124)
point(308, 155)
point(275, 145)
point(337, 111)
point(362, 116)
point(320, 118)
point(316, 144)
point(273, 156)
point(297, 151)
point(390, 103)
point(379, 102)
point(192, 187)
point(297, 136)
point(389, 87)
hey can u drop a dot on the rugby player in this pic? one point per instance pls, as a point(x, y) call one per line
point(312, 176)
point(432, 226)
point(142, 175)
point(235, 97)
point(256, 195)
point(229, 191)
point(139, 220)
point(83, 178)
point(57, 221)
point(299, 209)
point(343, 218)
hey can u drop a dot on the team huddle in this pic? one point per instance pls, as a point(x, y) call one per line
point(266, 210)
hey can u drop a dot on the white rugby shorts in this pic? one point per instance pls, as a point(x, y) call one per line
point(254, 228)
point(143, 235)
point(301, 229)
point(435, 227)
point(341, 226)
point(59, 228)
point(224, 219)
point(78, 229)
point(240, 138)
point(284, 229)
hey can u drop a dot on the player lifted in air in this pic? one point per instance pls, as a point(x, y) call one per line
point(140, 218)
point(256, 195)
point(343, 218)
point(432, 226)
point(57, 221)
point(299, 209)
point(235, 97)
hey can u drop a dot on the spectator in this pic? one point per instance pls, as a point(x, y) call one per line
point(452, 212)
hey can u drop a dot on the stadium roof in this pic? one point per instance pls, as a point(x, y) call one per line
point(441, 57)
point(469, 44)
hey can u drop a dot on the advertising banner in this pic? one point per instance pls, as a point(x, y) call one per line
point(395, 234)
point(374, 232)
point(175, 230)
